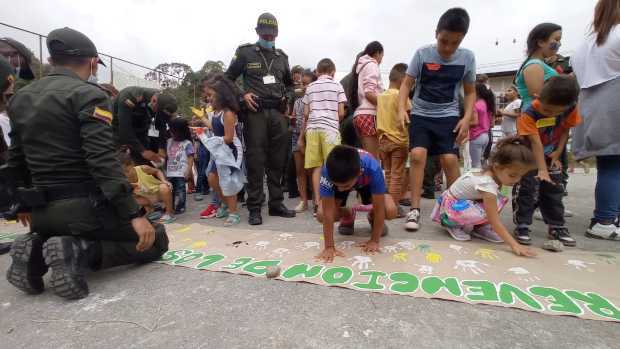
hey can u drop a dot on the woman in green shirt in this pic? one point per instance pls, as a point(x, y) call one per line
point(543, 41)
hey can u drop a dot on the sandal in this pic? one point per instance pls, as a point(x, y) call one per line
point(233, 219)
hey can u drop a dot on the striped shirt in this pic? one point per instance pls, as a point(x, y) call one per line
point(323, 97)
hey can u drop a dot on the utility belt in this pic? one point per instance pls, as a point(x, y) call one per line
point(41, 196)
point(272, 103)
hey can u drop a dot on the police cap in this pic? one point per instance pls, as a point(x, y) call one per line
point(267, 24)
point(70, 42)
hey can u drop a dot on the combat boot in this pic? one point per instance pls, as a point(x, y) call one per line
point(68, 257)
point(27, 266)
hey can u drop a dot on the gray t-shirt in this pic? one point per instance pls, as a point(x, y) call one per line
point(439, 81)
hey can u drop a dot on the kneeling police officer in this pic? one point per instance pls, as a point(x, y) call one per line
point(63, 158)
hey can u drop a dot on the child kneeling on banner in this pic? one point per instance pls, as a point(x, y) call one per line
point(471, 206)
point(348, 169)
point(225, 171)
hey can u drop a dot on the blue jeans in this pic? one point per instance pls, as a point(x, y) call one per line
point(179, 193)
point(202, 185)
point(607, 192)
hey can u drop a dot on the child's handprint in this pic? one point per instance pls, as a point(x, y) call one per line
point(425, 269)
point(470, 266)
point(579, 265)
point(361, 262)
point(308, 245)
point(406, 245)
point(424, 248)
point(402, 257)
point(345, 245)
point(390, 249)
point(279, 252)
point(433, 257)
point(261, 245)
point(458, 249)
point(486, 253)
point(285, 236)
point(523, 274)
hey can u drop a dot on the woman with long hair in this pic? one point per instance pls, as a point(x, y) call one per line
point(364, 88)
point(596, 64)
point(543, 42)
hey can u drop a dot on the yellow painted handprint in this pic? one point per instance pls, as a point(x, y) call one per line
point(433, 257)
point(198, 244)
point(486, 253)
point(400, 257)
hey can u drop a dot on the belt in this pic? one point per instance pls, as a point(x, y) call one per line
point(69, 191)
point(270, 103)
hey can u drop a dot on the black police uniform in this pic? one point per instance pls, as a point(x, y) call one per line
point(62, 142)
point(135, 124)
point(266, 129)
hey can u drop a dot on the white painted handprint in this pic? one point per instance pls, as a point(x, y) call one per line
point(425, 269)
point(261, 245)
point(406, 245)
point(308, 245)
point(457, 248)
point(361, 262)
point(390, 249)
point(523, 274)
point(279, 252)
point(470, 266)
point(285, 236)
point(345, 245)
point(580, 265)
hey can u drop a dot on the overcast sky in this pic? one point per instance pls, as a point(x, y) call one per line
point(154, 31)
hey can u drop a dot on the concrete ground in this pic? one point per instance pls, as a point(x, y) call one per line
point(157, 305)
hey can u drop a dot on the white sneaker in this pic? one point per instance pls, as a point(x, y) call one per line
point(458, 234)
point(413, 220)
point(568, 213)
point(301, 207)
point(604, 231)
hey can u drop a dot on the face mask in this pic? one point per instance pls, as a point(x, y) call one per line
point(554, 46)
point(92, 78)
point(266, 44)
point(19, 66)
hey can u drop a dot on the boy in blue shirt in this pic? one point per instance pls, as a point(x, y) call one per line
point(439, 71)
point(347, 169)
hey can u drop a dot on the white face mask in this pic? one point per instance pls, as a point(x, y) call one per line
point(92, 78)
point(19, 67)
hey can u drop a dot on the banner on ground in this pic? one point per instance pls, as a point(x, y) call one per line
point(576, 283)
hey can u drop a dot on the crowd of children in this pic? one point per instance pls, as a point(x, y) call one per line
point(431, 109)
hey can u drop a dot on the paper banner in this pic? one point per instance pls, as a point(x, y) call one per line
point(574, 282)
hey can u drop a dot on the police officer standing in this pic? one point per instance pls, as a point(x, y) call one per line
point(83, 214)
point(267, 81)
point(140, 122)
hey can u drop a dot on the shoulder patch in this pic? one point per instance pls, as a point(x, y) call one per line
point(103, 115)
point(129, 103)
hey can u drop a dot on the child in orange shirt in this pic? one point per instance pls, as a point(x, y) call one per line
point(546, 123)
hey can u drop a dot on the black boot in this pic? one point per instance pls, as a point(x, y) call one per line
point(255, 217)
point(68, 257)
point(27, 267)
point(281, 211)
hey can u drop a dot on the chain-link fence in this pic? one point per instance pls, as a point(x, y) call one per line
point(119, 72)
